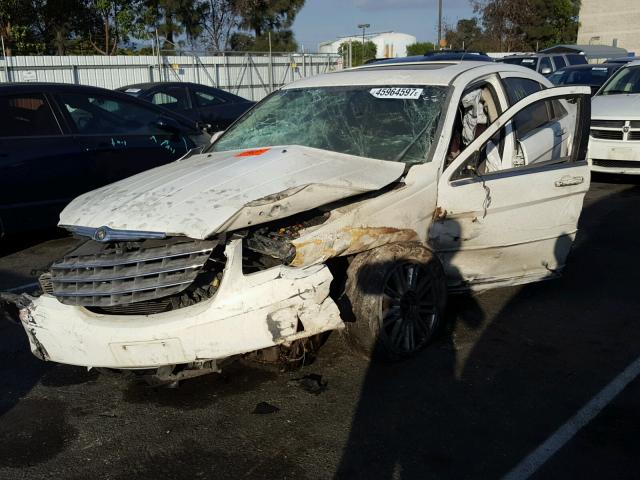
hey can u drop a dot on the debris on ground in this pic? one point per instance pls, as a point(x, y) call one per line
point(311, 383)
point(263, 408)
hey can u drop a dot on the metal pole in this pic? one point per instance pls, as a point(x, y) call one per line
point(227, 73)
point(270, 66)
point(4, 57)
point(250, 66)
point(363, 26)
point(158, 52)
point(439, 22)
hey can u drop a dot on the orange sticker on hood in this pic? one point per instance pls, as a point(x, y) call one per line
point(252, 153)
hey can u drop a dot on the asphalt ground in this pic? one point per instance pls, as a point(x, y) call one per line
point(512, 367)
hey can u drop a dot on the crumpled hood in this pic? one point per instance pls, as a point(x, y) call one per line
point(616, 107)
point(215, 192)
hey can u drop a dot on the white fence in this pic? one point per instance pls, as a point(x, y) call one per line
point(250, 75)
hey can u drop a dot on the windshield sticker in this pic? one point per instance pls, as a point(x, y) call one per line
point(528, 60)
point(397, 92)
point(252, 153)
point(132, 90)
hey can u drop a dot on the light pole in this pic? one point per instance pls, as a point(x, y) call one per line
point(439, 23)
point(363, 26)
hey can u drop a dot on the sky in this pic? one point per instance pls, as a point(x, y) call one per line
point(322, 20)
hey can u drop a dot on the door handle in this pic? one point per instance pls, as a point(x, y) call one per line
point(568, 180)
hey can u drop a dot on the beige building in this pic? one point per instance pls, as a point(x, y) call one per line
point(610, 22)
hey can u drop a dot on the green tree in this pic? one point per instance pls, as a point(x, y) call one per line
point(370, 51)
point(281, 41)
point(510, 25)
point(60, 23)
point(420, 48)
point(219, 20)
point(553, 22)
point(261, 16)
point(467, 35)
point(16, 27)
point(112, 22)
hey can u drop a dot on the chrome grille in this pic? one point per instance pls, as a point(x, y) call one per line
point(607, 134)
point(105, 275)
point(608, 123)
point(634, 135)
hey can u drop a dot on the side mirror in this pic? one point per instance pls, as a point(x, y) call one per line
point(168, 124)
point(216, 136)
point(545, 71)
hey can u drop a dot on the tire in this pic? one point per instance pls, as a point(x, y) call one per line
point(397, 294)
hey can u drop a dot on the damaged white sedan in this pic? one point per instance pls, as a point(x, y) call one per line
point(355, 198)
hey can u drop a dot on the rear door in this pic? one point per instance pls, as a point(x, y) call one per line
point(514, 225)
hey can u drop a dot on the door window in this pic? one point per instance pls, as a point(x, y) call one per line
point(172, 98)
point(559, 61)
point(27, 115)
point(542, 133)
point(545, 62)
point(207, 99)
point(517, 88)
point(575, 59)
point(97, 114)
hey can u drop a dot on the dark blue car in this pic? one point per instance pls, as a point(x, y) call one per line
point(215, 109)
point(58, 141)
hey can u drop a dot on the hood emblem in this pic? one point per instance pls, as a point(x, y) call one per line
point(101, 234)
point(626, 129)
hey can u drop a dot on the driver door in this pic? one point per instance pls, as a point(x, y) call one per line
point(515, 224)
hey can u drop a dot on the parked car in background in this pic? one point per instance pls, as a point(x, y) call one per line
point(58, 141)
point(614, 146)
point(622, 60)
point(214, 108)
point(592, 75)
point(438, 56)
point(347, 200)
point(546, 63)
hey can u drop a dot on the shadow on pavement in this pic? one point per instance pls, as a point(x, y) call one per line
point(474, 411)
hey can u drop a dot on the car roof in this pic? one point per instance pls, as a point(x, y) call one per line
point(439, 55)
point(589, 66)
point(148, 85)
point(415, 73)
point(51, 87)
point(618, 60)
point(48, 87)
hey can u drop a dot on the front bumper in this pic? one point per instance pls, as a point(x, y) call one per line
point(614, 156)
point(247, 313)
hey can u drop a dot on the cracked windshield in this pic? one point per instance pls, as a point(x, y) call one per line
point(386, 123)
